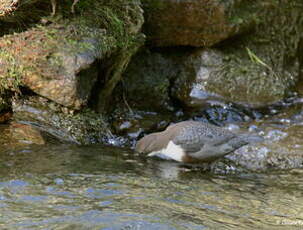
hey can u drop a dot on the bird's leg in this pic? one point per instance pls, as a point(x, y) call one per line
point(73, 6)
point(54, 6)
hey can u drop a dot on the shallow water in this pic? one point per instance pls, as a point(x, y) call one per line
point(97, 187)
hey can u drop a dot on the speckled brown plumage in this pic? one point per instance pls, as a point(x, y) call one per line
point(199, 141)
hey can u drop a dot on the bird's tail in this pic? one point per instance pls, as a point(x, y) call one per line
point(251, 138)
point(244, 139)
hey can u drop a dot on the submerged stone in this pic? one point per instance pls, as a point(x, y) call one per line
point(26, 134)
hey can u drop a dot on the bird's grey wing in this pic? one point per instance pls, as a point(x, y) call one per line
point(193, 139)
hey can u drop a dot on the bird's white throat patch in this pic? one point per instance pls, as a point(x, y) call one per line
point(172, 151)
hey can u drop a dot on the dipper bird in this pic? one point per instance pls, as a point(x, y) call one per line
point(193, 142)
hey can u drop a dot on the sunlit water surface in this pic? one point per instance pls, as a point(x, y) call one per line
point(97, 187)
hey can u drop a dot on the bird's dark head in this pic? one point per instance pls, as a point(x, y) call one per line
point(149, 143)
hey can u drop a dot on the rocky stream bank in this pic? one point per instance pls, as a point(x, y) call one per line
point(116, 70)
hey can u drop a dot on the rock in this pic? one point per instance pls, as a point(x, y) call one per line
point(83, 127)
point(50, 66)
point(62, 61)
point(209, 75)
point(222, 114)
point(196, 72)
point(256, 70)
point(69, 65)
point(282, 148)
point(26, 134)
point(134, 124)
point(194, 79)
point(284, 152)
point(196, 22)
point(18, 136)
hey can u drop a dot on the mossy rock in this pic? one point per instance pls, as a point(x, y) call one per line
point(257, 69)
point(83, 127)
point(61, 61)
point(263, 68)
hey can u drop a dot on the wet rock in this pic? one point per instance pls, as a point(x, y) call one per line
point(196, 22)
point(20, 136)
point(274, 153)
point(84, 127)
point(225, 114)
point(282, 148)
point(196, 71)
point(134, 124)
point(26, 134)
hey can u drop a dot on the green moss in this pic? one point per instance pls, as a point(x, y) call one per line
point(118, 18)
point(241, 80)
point(112, 22)
point(11, 79)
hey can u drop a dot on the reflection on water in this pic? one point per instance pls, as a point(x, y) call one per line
point(95, 187)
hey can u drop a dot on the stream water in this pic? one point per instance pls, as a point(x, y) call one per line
point(97, 187)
